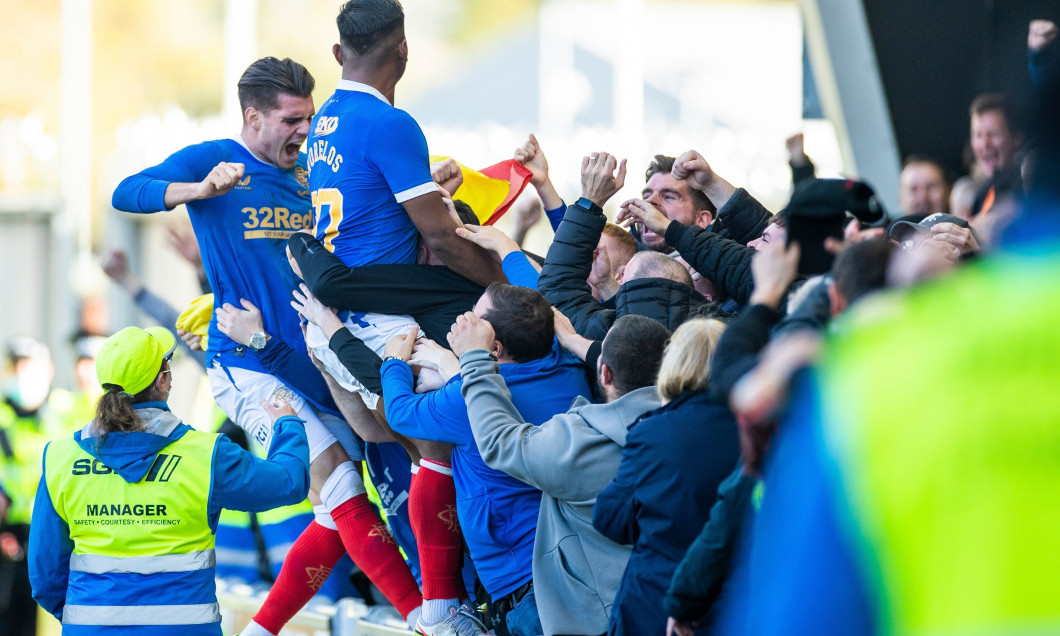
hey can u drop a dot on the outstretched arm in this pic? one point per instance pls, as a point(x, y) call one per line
point(196, 172)
point(740, 213)
point(564, 278)
point(533, 158)
point(244, 482)
point(725, 262)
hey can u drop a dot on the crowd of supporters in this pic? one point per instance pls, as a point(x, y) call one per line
point(692, 419)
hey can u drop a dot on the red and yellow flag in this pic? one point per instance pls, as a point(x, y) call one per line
point(490, 191)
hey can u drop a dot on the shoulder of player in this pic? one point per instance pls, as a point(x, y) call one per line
point(394, 114)
point(391, 119)
point(210, 153)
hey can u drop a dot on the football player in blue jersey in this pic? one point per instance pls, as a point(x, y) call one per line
point(375, 201)
point(246, 196)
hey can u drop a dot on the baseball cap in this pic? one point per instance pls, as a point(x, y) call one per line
point(133, 357)
point(903, 230)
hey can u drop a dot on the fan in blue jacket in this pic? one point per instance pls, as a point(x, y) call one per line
point(675, 458)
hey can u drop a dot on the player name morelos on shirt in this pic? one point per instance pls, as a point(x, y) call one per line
point(365, 158)
point(242, 235)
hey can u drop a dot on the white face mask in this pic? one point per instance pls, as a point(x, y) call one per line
point(29, 390)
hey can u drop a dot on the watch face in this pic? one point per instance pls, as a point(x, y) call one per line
point(257, 341)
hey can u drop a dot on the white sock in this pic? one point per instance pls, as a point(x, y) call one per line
point(343, 484)
point(413, 618)
point(437, 609)
point(323, 517)
point(437, 467)
point(253, 629)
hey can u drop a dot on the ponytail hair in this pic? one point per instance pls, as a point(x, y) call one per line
point(115, 412)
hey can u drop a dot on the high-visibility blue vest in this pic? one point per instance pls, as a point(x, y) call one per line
point(143, 555)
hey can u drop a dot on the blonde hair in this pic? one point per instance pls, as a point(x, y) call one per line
point(686, 361)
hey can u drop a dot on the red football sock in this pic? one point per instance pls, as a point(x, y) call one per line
point(305, 568)
point(432, 512)
point(374, 550)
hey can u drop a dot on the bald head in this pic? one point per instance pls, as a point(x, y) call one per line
point(655, 265)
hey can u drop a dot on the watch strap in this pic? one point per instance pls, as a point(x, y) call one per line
point(586, 204)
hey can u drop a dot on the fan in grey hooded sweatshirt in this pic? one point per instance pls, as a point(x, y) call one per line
point(570, 458)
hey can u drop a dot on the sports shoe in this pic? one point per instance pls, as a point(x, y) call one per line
point(460, 622)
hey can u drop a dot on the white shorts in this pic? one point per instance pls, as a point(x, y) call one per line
point(374, 330)
point(239, 393)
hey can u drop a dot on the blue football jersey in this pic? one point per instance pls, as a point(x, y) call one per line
point(365, 158)
point(242, 235)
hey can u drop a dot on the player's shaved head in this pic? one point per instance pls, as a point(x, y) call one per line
point(364, 23)
point(265, 80)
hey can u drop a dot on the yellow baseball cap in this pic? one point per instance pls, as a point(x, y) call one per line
point(133, 357)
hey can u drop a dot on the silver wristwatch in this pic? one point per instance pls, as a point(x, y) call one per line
point(258, 341)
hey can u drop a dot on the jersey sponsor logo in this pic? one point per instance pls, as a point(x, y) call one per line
point(301, 175)
point(326, 126)
point(321, 150)
point(274, 223)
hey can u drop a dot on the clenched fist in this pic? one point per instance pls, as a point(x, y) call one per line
point(221, 180)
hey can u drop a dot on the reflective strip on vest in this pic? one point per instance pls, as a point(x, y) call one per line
point(231, 557)
point(97, 564)
point(141, 614)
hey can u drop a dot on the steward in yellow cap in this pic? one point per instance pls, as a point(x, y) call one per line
point(122, 536)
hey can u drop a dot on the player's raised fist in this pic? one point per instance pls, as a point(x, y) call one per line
point(221, 179)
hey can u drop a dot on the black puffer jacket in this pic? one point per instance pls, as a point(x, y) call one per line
point(743, 217)
point(564, 283)
point(669, 302)
point(724, 261)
